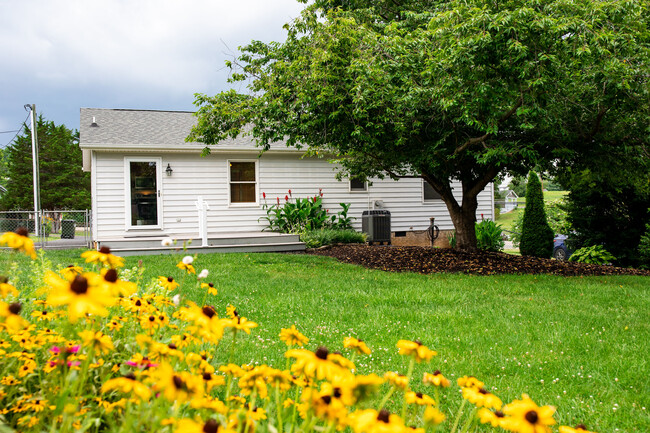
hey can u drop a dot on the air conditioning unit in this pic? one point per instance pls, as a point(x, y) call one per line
point(376, 225)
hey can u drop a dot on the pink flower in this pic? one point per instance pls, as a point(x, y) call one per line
point(74, 363)
point(73, 349)
point(315, 198)
point(482, 217)
point(56, 350)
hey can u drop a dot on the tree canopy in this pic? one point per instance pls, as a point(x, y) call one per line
point(447, 91)
point(63, 184)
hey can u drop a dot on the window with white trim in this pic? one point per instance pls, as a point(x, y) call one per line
point(358, 185)
point(429, 195)
point(243, 182)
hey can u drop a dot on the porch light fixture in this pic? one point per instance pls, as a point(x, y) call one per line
point(169, 170)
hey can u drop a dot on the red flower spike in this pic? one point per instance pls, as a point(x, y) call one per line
point(286, 197)
point(264, 195)
point(278, 201)
point(290, 192)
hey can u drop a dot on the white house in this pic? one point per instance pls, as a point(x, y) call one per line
point(147, 181)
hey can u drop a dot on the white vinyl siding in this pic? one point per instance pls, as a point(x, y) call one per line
point(277, 173)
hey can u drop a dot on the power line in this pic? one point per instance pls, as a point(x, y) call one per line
point(17, 131)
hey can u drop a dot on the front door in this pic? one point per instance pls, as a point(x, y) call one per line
point(143, 193)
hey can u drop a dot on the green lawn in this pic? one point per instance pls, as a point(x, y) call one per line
point(580, 344)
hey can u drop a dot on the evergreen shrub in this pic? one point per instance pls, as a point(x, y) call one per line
point(536, 234)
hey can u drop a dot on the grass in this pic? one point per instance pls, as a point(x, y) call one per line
point(506, 220)
point(579, 344)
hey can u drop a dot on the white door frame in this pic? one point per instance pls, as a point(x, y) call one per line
point(127, 191)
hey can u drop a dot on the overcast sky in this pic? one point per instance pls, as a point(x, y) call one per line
point(150, 54)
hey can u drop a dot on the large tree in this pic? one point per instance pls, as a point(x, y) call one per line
point(63, 184)
point(447, 91)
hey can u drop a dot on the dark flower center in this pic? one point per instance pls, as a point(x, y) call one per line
point(111, 276)
point(208, 310)
point(161, 318)
point(437, 372)
point(79, 285)
point(582, 426)
point(499, 414)
point(152, 319)
point(178, 382)
point(326, 399)
point(532, 417)
point(322, 352)
point(170, 279)
point(418, 342)
point(483, 391)
point(130, 376)
point(337, 392)
point(105, 250)
point(207, 376)
point(138, 303)
point(419, 395)
point(15, 308)
point(211, 426)
point(44, 313)
point(210, 284)
point(3, 279)
point(22, 231)
point(383, 416)
point(172, 346)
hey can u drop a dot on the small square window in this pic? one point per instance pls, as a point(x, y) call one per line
point(429, 193)
point(358, 185)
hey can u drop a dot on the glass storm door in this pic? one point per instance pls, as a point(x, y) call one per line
point(144, 193)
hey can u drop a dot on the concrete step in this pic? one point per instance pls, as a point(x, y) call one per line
point(225, 248)
point(223, 240)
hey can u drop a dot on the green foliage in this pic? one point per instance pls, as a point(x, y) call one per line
point(536, 234)
point(644, 247)
point(595, 254)
point(63, 184)
point(518, 185)
point(489, 236)
point(609, 204)
point(318, 238)
point(556, 216)
point(302, 214)
point(450, 91)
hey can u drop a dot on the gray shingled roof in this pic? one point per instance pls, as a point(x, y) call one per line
point(116, 126)
point(150, 128)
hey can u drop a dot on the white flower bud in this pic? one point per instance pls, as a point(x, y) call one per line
point(204, 274)
point(167, 242)
point(176, 299)
point(188, 260)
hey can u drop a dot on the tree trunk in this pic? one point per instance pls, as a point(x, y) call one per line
point(464, 219)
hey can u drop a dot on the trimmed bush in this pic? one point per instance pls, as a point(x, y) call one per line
point(536, 234)
point(318, 238)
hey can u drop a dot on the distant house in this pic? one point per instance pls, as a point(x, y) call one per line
point(511, 201)
point(147, 181)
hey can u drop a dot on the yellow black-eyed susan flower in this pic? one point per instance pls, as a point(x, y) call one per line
point(419, 399)
point(127, 385)
point(168, 283)
point(314, 364)
point(482, 398)
point(358, 345)
point(19, 241)
point(371, 421)
point(6, 289)
point(292, 337)
point(97, 340)
point(71, 271)
point(103, 257)
point(416, 349)
point(433, 416)
point(435, 379)
point(494, 418)
point(580, 428)
point(210, 288)
point(80, 297)
point(524, 416)
point(397, 380)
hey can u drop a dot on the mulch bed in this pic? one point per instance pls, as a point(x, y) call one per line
point(427, 260)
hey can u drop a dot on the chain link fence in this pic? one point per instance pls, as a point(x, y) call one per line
point(57, 229)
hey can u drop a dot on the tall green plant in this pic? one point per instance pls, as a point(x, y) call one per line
point(297, 215)
point(536, 234)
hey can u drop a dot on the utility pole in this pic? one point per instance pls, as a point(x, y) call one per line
point(37, 190)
